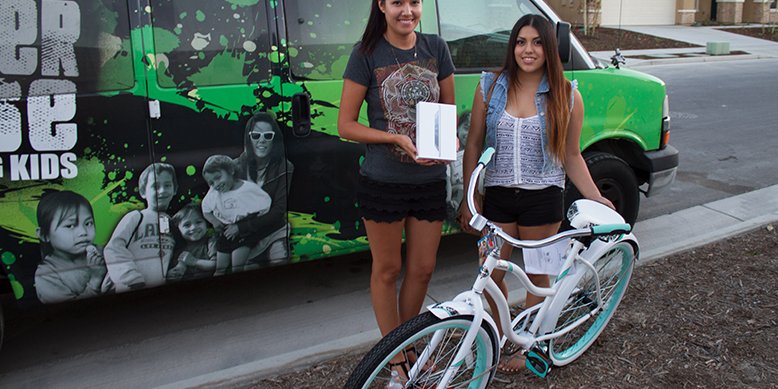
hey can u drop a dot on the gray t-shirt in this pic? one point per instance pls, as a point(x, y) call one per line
point(396, 80)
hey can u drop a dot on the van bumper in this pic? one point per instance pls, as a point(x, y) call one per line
point(663, 166)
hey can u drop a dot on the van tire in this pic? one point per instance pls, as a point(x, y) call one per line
point(616, 181)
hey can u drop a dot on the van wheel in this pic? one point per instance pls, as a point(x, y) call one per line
point(616, 182)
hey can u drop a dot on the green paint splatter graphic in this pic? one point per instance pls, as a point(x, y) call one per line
point(16, 287)
point(8, 258)
point(310, 239)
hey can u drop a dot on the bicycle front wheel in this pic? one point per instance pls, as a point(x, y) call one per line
point(436, 342)
point(614, 269)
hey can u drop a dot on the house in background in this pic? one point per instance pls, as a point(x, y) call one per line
point(664, 12)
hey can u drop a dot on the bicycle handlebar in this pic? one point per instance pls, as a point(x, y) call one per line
point(478, 221)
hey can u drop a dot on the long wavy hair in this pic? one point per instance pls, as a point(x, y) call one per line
point(558, 99)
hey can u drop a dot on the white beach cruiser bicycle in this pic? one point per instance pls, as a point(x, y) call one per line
point(455, 343)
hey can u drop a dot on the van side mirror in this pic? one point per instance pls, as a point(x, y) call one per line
point(563, 39)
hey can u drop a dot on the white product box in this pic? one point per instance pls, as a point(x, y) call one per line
point(436, 131)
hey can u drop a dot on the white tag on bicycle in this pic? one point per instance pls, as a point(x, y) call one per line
point(545, 260)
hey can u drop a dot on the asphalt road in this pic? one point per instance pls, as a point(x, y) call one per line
point(725, 123)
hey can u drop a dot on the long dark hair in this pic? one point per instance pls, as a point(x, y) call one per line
point(558, 100)
point(276, 155)
point(376, 25)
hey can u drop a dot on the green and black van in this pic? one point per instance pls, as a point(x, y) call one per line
point(104, 101)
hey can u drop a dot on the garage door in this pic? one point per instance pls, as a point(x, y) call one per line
point(638, 12)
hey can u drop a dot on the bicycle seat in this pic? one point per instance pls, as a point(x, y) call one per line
point(585, 213)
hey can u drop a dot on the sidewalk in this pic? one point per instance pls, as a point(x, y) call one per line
point(754, 47)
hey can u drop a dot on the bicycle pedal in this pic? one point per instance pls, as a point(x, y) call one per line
point(538, 362)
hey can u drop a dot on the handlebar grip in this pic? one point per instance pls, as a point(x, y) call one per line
point(611, 229)
point(486, 156)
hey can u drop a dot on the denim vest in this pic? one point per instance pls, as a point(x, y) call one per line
point(496, 107)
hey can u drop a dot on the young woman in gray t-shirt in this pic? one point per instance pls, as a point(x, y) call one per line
point(392, 69)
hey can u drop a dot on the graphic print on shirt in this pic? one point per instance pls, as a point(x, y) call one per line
point(401, 87)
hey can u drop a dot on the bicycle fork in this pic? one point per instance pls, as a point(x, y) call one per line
point(464, 351)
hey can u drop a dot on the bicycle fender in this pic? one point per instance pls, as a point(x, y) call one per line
point(449, 309)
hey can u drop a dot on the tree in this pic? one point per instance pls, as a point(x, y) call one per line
point(591, 15)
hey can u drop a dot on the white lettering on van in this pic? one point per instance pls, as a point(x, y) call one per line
point(68, 163)
point(10, 118)
point(44, 108)
point(60, 29)
point(51, 99)
point(19, 28)
point(42, 166)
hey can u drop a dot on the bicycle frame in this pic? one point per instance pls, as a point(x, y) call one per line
point(546, 314)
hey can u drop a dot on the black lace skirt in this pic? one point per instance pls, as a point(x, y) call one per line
point(391, 202)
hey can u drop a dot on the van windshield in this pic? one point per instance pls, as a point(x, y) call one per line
point(322, 34)
point(477, 32)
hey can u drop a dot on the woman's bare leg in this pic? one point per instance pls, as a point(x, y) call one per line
point(422, 240)
point(386, 248)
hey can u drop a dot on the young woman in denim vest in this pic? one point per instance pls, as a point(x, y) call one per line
point(392, 69)
point(533, 120)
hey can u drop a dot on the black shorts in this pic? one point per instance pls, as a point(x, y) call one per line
point(523, 206)
point(391, 202)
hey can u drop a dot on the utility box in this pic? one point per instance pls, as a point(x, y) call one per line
point(717, 48)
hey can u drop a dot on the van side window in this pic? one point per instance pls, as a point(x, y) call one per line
point(210, 42)
point(322, 35)
point(477, 31)
point(71, 47)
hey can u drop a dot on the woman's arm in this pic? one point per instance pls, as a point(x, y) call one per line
point(447, 90)
point(473, 148)
point(575, 166)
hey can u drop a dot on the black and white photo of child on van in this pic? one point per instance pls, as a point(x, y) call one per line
point(195, 252)
point(139, 251)
point(72, 267)
point(228, 201)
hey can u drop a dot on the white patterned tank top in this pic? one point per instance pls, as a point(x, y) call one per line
point(519, 156)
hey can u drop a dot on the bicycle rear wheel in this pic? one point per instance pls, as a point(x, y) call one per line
point(614, 269)
point(476, 371)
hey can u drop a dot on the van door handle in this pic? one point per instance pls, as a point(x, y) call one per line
point(301, 114)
